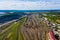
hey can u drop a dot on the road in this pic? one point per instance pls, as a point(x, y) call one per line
point(33, 29)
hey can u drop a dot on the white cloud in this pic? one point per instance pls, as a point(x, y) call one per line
point(15, 5)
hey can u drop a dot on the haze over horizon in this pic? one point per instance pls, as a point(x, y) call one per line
point(29, 4)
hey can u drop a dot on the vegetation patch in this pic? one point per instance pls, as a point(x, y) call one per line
point(58, 21)
point(13, 31)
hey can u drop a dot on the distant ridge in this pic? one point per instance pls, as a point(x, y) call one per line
point(29, 10)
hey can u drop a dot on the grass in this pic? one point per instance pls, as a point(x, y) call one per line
point(53, 18)
point(46, 27)
point(59, 38)
point(5, 26)
point(13, 30)
point(20, 34)
point(18, 24)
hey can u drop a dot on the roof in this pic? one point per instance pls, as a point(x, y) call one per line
point(52, 35)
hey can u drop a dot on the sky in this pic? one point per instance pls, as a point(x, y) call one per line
point(29, 4)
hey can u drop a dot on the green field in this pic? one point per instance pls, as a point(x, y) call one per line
point(53, 18)
point(11, 32)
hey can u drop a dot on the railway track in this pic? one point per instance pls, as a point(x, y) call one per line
point(33, 29)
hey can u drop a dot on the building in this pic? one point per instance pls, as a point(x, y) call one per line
point(51, 35)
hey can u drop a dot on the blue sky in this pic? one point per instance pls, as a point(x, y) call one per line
point(29, 4)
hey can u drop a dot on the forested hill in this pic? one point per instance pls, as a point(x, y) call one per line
point(10, 16)
point(53, 13)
